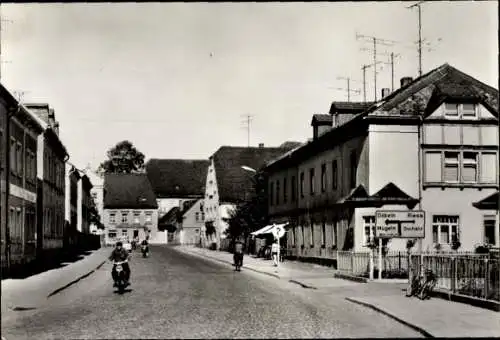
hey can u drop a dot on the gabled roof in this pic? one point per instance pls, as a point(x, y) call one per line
point(128, 191)
point(488, 203)
point(392, 194)
point(357, 194)
point(177, 178)
point(234, 182)
point(349, 107)
point(444, 82)
point(86, 184)
point(170, 218)
point(186, 206)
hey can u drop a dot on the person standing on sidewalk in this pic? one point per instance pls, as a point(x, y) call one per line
point(274, 252)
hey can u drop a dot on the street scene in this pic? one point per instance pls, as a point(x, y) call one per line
point(249, 170)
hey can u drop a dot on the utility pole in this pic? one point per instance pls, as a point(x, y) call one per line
point(248, 119)
point(419, 34)
point(2, 20)
point(364, 67)
point(348, 89)
point(375, 41)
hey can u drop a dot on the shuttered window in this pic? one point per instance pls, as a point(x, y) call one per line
point(489, 167)
point(433, 167)
point(469, 167)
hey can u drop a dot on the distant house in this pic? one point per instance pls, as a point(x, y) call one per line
point(174, 182)
point(228, 184)
point(130, 208)
point(96, 192)
point(86, 203)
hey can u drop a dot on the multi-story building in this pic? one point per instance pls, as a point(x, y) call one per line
point(174, 182)
point(228, 184)
point(19, 131)
point(193, 221)
point(96, 193)
point(52, 156)
point(431, 145)
point(130, 208)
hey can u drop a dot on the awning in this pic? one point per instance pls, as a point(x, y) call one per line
point(488, 203)
point(268, 229)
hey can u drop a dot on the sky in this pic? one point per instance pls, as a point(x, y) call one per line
point(178, 79)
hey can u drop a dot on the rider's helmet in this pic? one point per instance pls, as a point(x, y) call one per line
point(119, 244)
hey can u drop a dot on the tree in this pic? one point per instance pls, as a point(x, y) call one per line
point(251, 215)
point(123, 158)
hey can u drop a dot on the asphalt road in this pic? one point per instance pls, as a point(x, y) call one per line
point(176, 295)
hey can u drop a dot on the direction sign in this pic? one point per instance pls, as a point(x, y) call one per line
point(400, 224)
point(278, 231)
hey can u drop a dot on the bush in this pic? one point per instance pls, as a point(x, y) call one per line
point(482, 249)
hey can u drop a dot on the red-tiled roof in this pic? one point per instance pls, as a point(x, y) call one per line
point(177, 178)
point(128, 191)
point(233, 182)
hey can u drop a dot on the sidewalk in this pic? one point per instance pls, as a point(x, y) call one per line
point(304, 274)
point(34, 290)
point(433, 318)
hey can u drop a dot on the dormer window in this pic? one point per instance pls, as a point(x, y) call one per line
point(464, 111)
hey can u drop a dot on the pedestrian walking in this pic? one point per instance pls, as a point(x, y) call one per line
point(274, 252)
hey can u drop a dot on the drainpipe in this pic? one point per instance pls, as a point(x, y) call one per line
point(10, 114)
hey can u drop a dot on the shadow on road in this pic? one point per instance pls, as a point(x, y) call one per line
point(127, 290)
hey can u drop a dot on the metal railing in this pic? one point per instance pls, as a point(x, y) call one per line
point(472, 275)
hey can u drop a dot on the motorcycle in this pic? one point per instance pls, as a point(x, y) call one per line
point(145, 251)
point(120, 280)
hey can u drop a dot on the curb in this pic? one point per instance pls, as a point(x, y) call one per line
point(350, 277)
point(227, 262)
point(377, 309)
point(75, 281)
point(301, 284)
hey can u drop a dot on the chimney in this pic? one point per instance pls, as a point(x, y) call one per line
point(261, 145)
point(405, 81)
point(385, 92)
point(52, 118)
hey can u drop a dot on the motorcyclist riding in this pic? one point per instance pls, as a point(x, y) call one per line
point(119, 254)
point(145, 246)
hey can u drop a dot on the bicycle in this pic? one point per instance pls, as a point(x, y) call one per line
point(423, 285)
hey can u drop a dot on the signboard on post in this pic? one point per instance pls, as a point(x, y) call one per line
point(278, 232)
point(399, 224)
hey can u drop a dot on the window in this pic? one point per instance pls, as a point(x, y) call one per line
point(294, 189)
point(197, 217)
point(445, 229)
point(353, 169)
point(369, 228)
point(302, 184)
point(323, 177)
point(323, 233)
point(334, 175)
point(469, 167)
point(302, 234)
point(124, 217)
point(334, 233)
point(112, 217)
point(124, 232)
point(294, 235)
point(137, 217)
point(489, 167)
point(311, 180)
point(203, 216)
point(149, 217)
point(285, 194)
point(451, 110)
point(271, 193)
point(489, 224)
point(469, 110)
point(311, 234)
point(451, 166)
point(277, 192)
point(19, 154)
point(13, 157)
